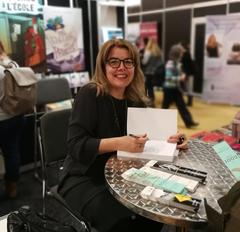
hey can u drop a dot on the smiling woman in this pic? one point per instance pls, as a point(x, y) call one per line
point(97, 130)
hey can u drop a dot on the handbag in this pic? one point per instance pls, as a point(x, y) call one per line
point(26, 219)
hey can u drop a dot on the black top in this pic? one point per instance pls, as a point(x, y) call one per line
point(93, 118)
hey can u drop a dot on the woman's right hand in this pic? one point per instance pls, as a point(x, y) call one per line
point(132, 143)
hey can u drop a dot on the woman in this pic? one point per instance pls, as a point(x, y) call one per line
point(97, 130)
point(10, 128)
point(151, 62)
point(171, 90)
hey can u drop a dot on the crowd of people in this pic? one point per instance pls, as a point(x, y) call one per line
point(175, 79)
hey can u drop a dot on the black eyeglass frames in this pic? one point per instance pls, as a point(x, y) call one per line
point(115, 63)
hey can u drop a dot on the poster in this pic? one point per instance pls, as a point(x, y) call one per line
point(111, 33)
point(149, 30)
point(222, 60)
point(22, 33)
point(64, 39)
point(133, 32)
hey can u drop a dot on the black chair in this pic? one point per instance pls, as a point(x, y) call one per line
point(53, 146)
point(48, 91)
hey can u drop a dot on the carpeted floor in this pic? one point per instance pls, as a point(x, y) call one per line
point(209, 116)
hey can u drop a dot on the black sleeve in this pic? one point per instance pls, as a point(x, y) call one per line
point(82, 144)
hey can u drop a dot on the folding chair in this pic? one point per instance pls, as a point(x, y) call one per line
point(48, 91)
point(53, 150)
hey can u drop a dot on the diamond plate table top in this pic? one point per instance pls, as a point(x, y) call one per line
point(200, 156)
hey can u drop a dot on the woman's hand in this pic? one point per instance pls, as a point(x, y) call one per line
point(180, 140)
point(132, 143)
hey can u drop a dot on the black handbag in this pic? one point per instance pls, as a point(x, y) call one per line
point(26, 219)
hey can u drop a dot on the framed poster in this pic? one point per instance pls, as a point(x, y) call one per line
point(64, 39)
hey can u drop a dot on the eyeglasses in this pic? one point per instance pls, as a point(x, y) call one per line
point(115, 63)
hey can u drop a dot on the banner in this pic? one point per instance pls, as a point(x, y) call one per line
point(33, 7)
point(148, 30)
point(64, 39)
point(222, 60)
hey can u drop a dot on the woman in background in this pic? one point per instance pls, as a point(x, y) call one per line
point(171, 89)
point(151, 61)
point(10, 128)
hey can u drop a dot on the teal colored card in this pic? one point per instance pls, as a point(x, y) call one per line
point(229, 157)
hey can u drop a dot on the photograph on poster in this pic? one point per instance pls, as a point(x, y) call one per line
point(234, 54)
point(213, 46)
point(22, 37)
point(64, 39)
point(75, 79)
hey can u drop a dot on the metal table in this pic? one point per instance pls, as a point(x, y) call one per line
point(199, 156)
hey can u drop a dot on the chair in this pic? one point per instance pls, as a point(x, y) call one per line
point(53, 149)
point(48, 91)
point(53, 142)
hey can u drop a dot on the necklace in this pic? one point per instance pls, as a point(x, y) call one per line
point(120, 115)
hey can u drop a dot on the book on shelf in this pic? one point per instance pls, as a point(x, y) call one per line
point(158, 124)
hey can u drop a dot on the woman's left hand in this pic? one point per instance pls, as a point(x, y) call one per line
point(180, 140)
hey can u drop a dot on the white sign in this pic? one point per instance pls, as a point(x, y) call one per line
point(21, 6)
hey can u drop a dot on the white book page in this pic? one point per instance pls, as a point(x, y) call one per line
point(159, 124)
point(158, 147)
point(154, 149)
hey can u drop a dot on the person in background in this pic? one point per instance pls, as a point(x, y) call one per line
point(142, 49)
point(151, 60)
point(188, 68)
point(10, 128)
point(97, 129)
point(171, 89)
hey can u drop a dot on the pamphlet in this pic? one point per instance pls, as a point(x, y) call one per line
point(159, 125)
point(230, 158)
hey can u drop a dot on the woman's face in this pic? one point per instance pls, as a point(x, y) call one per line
point(119, 77)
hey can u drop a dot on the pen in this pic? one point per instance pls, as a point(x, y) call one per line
point(134, 136)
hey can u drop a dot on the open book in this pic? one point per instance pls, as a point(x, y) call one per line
point(158, 124)
point(154, 150)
